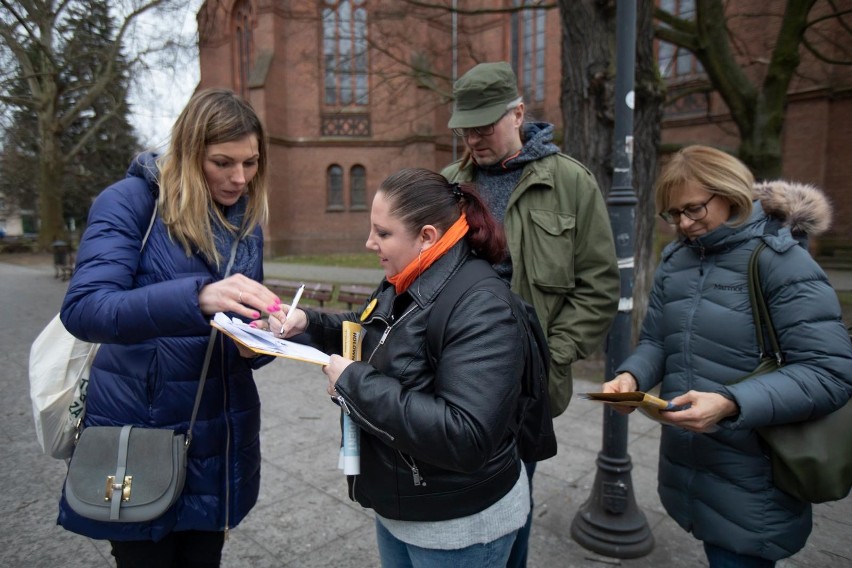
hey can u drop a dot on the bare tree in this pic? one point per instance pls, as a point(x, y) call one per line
point(34, 35)
point(754, 79)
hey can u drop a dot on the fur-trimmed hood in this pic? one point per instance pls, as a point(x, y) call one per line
point(802, 207)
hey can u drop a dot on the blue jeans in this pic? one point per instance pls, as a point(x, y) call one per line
point(396, 554)
point(722, 558)
point(518, 557)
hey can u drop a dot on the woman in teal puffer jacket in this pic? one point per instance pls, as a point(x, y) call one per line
point(698, 338)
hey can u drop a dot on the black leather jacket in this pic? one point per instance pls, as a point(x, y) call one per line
point(435, 443)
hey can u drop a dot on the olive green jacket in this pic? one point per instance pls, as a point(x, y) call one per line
point(563, 259)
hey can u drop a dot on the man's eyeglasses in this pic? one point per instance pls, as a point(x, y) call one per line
point(480, 131)
point(693, 212)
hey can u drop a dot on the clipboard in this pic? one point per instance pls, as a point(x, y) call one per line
point(265, 343)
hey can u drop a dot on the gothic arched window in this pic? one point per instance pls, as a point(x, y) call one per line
point(358, 187)
point(528, 40)
point(243, 45)
point(334, 182)
point(344, 32)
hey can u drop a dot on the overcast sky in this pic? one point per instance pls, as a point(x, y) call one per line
point(158, 96)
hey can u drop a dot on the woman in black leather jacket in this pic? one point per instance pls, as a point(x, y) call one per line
point(438, 459)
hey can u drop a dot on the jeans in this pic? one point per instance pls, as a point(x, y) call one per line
point(184, 549)
point(722, 558)
point(518, 557)
point(396, 554)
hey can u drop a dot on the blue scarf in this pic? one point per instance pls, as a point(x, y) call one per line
point(248, 249)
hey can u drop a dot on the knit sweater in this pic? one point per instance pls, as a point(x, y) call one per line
point(506, 515)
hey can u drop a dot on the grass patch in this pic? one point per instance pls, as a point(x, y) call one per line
point(345, 260)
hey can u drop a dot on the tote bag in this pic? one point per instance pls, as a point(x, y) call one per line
point(59, 368)
point(811, 460)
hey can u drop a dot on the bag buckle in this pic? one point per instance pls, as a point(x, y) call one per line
point(112, 487)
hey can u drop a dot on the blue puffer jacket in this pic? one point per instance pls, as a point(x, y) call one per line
point(144, 310)
point(699, 335)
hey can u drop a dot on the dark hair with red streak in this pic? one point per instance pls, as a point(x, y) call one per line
point(420, 197)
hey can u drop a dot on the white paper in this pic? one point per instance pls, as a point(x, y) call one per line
point(261, 341)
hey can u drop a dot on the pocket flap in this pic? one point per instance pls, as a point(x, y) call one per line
point(552, 222)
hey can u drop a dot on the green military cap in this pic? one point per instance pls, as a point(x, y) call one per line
point(483, 95)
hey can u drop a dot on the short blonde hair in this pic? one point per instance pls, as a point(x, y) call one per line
point(212, 116)
point(718, 172)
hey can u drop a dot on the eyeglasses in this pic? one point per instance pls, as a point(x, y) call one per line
point(480, 131)
point(693, 212)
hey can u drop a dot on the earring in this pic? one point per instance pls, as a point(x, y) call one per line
point(419, 270)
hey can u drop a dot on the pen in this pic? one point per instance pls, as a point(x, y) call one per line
point(293, 305)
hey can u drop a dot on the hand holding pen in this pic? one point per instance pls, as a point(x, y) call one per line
point(277, 321)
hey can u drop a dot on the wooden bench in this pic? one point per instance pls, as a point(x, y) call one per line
point(320, 292)
point(354, 294)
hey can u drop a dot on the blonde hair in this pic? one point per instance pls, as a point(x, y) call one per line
point(719, 173)
point(212, 116)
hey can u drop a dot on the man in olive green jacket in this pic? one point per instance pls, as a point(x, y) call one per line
point(561, 251)
point(562, 256)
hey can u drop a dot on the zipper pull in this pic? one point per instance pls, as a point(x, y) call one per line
point(385, 335)
point(415, 473)
point(343, 405)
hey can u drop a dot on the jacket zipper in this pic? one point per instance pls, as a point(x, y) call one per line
point(227, 445)
point(415, 471)
point(349, 410)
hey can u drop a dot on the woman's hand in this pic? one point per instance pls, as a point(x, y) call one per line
point(703, 410)
point(623, 382)
point(283, 326)
point(240, 295)
point(336, 365)
point(245, 351)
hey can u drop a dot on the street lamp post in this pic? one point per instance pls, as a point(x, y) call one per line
point(609, 522)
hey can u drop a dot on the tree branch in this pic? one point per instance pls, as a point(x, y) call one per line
point(106, 77)
point(785, 57)
point(720, 64)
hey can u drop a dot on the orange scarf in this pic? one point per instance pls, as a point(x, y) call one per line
point(415, 268)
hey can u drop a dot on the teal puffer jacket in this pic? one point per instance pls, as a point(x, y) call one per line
point(698, 335)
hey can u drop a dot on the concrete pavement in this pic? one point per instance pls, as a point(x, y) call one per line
point(303, 517)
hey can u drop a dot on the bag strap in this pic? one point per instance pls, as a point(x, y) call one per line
point(210, 343)
point(760, 311)
point(117, 486)
point(150, 225)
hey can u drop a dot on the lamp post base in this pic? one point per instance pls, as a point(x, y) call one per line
point(609, 522)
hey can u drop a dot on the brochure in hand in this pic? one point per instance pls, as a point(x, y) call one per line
point(650, 405)
point(265, 343)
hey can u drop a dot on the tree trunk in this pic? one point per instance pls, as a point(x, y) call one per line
point(588, 84)
point(761, 150)
point(647, 124)
point(52, 225)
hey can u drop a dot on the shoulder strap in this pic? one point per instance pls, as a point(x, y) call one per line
point(759, 309)
point(470, 273)
point(209, 353)
point(150, 225)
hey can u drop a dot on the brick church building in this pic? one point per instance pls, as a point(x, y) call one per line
point(351, 91)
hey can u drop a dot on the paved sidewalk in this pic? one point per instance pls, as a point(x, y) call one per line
point(303, 517)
